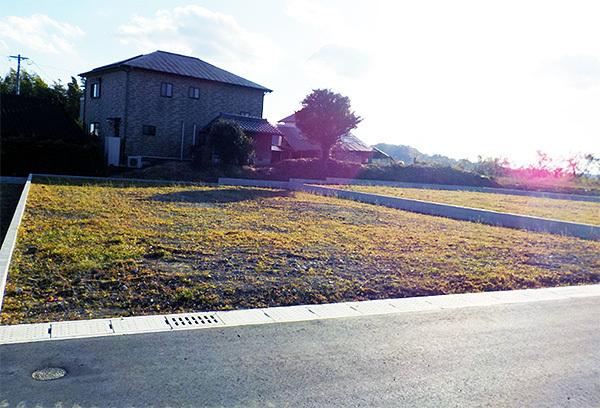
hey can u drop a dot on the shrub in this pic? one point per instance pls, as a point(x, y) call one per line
point(426, 174)
point(29, 154)
point(313, 169)
point(228, 142)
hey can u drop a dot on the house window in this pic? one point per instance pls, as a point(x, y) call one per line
point(194, 93)
point(166, 89)
point(95, 128)
point(149, 130)
point(95, 90)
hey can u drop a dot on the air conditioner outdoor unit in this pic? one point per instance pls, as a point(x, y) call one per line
point(134, 162)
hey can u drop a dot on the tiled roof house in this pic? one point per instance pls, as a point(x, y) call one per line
point(349, 148)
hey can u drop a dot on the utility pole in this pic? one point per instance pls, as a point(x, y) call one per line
point(18, 57)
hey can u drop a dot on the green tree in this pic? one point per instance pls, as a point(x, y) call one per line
point(491, 166)
point(230, 142)
point(34, 86)
point(325, 117)
point(73, 96)
point(592, 164)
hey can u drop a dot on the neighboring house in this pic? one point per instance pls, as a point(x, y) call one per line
point(296, 145)
point(156, 105)
point(349, 148)
point(265, 136)
point(381, 157)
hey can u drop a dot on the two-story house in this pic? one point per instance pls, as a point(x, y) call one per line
point(158, 105)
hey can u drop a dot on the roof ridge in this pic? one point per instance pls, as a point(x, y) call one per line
point(179, 64)
point(175, 53)
point(242, 116)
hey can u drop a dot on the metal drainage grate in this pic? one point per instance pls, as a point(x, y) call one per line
point(192, 320)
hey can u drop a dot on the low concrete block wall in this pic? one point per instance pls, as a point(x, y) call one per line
point(510, 191)
point(463, 213)
point(12, 180)
point(253, 183)
point(10, 240)
point(124, 180)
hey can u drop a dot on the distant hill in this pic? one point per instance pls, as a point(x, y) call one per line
point(409, 155)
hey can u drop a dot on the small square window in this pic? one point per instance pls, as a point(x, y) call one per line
point(194, 93)
point(95, 90)
point(166, 89)
point(149, 130)
point(95, 128)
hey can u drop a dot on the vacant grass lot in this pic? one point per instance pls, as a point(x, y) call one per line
point(566, 210)
point(9, 197)
point(100, 250)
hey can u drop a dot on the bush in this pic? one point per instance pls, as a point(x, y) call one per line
point(426, 174)
point(313, 169)
point(228, 142)
point(29, 154)
point(38, 136)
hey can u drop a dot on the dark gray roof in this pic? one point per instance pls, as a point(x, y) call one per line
point(162, 61)
point(289, 119)
point(299, 142)
point(351, 143)
point(250, 124)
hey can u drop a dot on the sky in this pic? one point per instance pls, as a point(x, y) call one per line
point(459, 78)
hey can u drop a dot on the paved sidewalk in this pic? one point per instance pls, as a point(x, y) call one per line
point(523, 354)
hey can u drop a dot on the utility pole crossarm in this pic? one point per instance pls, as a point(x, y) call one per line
point(19, 58)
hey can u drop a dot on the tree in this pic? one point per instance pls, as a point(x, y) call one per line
point(573, 165)
point(325, 117)
point(73, 95)
point(491, 166)
point(33, 85)
point(592, 164)
point(230, 142)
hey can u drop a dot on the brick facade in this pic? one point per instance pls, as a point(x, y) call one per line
point(134, 95)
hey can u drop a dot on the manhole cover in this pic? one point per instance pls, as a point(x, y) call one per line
point(49, 373)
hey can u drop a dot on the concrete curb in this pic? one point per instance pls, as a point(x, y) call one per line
point(489, 217)
point(10, 240)
point(24, 333)
point(509, 191)
point(518, 221)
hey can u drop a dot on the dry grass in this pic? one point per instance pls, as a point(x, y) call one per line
point(567, 184)
point(99, 250)
point(576, 211)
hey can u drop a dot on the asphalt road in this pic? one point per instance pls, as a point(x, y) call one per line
point(544, 354)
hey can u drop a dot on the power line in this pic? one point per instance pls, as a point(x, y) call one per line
point(18, 57)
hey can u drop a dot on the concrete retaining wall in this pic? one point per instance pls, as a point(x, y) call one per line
point(510, 191)
point(10, 240)
point(463, 213)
